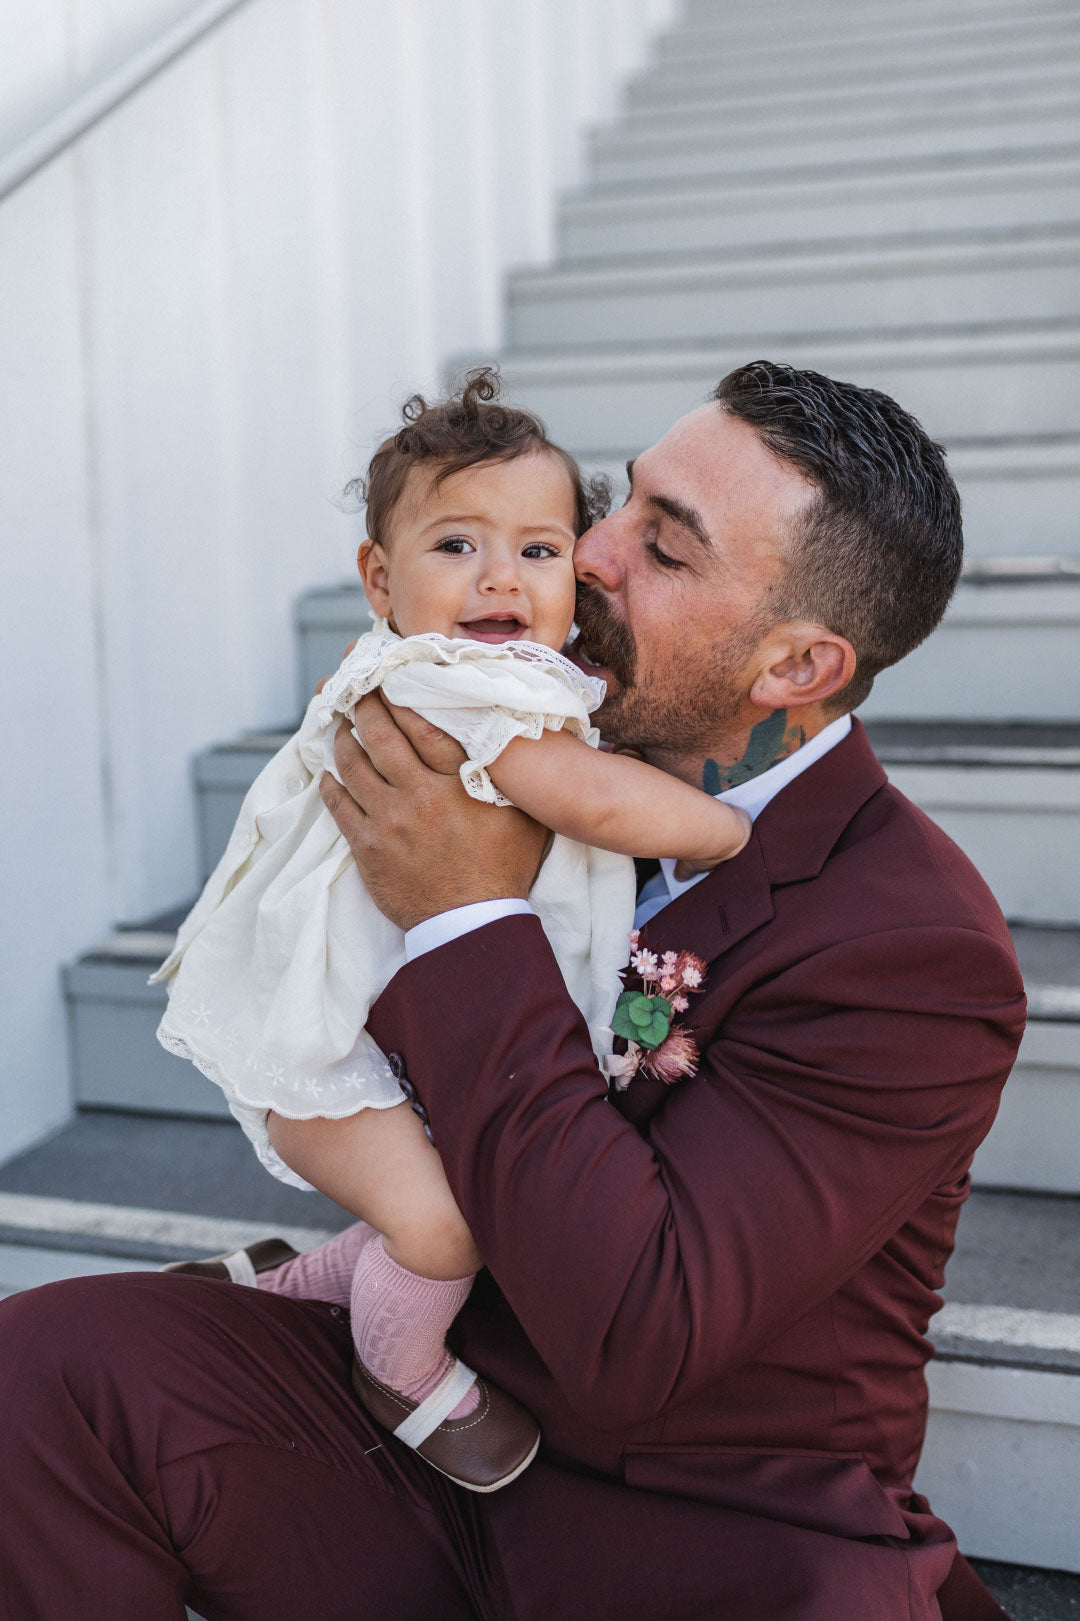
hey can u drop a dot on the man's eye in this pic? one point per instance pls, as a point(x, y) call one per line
point(662, 557)
point(456, 545)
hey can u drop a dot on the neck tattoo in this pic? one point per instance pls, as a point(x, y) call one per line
point(772, 739)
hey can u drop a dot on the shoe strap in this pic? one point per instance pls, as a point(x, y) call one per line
point(238, 1265)
point(434, 1408)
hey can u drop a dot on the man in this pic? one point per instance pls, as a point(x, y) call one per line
point(713, 1296)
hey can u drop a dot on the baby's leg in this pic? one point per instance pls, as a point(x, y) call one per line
point(412, 1278)
point(379, 1165)
point(323, 1273)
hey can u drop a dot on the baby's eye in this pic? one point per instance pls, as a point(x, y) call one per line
point(540, 548)
point(456, 545)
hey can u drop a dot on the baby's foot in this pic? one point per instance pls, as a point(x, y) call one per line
point(483, 1452)
point(410, 1383)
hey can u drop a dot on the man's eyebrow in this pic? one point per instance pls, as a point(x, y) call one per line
point(686, 517)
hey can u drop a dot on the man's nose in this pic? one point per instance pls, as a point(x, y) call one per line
point(598, 552)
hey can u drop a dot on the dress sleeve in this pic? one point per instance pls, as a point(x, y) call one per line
point(481, 694)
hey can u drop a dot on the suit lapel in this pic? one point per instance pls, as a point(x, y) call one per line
point(791, 841)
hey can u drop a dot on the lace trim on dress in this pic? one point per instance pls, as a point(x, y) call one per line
point(383, 650)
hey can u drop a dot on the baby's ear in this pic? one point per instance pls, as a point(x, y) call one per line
point(371, 561)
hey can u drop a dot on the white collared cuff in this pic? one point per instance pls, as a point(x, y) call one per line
point(446, 926)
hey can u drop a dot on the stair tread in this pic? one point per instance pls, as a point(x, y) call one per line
point(200, 1167)
point(1014, 1251)
point(1028, 1594)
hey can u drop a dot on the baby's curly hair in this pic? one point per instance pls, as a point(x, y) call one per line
point(471, 426)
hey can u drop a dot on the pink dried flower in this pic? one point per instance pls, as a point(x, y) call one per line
point(635, 937)
point(645, 963)
point(669, 959)
point(668, 983)
point(676, 1056)
point(679, 1004)
point(691, 977)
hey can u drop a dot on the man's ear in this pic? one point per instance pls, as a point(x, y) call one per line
point(801, 664)
point(371, 561)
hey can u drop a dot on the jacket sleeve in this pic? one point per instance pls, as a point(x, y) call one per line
point(835, 1096)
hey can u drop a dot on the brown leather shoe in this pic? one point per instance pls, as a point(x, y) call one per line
point(483, 1452)
point(239, 1266)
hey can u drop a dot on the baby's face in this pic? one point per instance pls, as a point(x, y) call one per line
point(488, 554)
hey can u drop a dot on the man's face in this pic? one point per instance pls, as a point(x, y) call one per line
point(671, 586)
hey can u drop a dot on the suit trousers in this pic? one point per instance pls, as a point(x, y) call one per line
point(173, 1440)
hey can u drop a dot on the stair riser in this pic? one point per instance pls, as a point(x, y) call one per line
point(667, 89)
point(609, 410)
point(864, 41)
point(744, 218)
point(116, 1059)
point(1032, 1144)
point(732, 110)
point(326, 624)
point(222, 778)
point(880, 292)
point(616, 161)
point(1020, 828)
point(1002, 653)
point(1000, 1461)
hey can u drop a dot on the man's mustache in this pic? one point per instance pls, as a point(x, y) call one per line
point(606, 639)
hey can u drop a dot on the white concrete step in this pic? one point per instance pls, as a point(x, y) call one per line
point(327, 622)
point(1028, 191)
point(750, 215)
point(118, 1191)
point(1008, 649)
point(791, 144)
point(981, 276)
point(1011, 381)
point(660, 88)
point(745, 110)
point(1008, 795)
point(1034, 1144)
point(864, 38)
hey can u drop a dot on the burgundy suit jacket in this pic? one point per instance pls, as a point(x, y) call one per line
point(718, 1294)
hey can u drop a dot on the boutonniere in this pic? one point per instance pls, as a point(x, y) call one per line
point(656, 989)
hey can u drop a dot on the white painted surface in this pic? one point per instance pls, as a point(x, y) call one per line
point(1000, 1461)
point(1034, 1144)
point(172, 1229)
point(212, 308)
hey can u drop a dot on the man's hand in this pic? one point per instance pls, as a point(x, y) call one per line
point(421, 844)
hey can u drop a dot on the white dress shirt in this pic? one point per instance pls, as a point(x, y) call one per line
point(663, 887)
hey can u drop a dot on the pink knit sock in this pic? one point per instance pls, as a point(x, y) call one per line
point(324, 1273)
point(399, 1324)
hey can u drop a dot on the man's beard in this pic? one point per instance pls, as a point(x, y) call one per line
point(684, 704)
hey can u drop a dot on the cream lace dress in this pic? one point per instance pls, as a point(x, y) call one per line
point(277, 965)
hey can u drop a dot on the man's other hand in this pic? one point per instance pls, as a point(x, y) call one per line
point(421, 843)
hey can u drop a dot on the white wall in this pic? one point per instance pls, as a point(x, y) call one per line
point(209, 310)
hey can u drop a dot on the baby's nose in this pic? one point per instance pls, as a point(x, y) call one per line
point(501, 574)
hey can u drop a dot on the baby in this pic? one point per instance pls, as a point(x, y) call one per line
point(472, 515)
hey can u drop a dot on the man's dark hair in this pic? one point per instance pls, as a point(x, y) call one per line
point(450, 435)
point(877, 555)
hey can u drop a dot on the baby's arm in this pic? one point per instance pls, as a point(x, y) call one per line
point(616, 802)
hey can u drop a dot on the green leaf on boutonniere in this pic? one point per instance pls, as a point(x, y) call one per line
point(621, 1022)
point(656, 1032)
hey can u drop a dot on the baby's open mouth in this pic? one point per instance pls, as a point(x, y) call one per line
point(494, 627)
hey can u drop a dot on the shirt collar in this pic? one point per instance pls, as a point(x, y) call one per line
point(752, 796)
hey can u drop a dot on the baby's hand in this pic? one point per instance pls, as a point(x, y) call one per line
point(742, 827)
